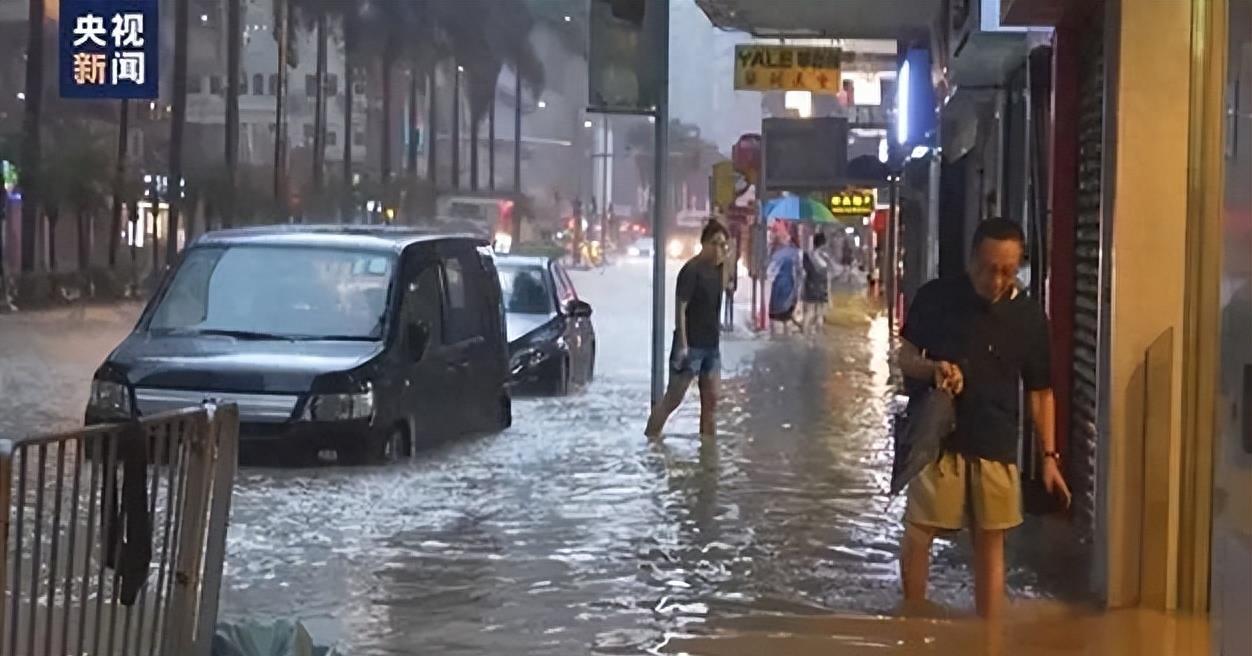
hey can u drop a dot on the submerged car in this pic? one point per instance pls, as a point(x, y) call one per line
point(357, 343)
point(552, 343)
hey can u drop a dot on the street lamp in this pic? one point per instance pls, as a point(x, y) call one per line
point(543, 104)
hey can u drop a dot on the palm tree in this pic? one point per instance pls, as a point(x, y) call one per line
point(178, 123)
point(316, 14)
point(234, 54)
point(79, 163)
point(350, 23)
point(282, 36)
point(119, 181)
point(485, 36)
point(31, 122)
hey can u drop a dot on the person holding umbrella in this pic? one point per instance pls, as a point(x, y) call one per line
point(785, 262)
point(784, 276)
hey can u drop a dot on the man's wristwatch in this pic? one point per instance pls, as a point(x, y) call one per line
point(1055, 455)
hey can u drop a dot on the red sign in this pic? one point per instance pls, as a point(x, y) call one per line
point(880, 221)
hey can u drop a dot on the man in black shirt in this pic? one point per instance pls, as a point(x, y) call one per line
point(696, 352)
point(977, 338)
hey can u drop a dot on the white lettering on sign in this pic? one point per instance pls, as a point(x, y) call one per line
point(89, 27)
point(128, 66)
point(128, 30)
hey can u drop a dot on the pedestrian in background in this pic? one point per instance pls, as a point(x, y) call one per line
point(976, 337)
point(817, 274)
point(784, 276)
point(696, 352)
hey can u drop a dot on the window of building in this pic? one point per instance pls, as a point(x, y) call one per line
point(332, 138)
point(258, 84)
point(358, 137)
point(332, 85)
point(195, 84)
point(358, 88)
point(310, 85)
point(309, 132)
point(215, 85)
point(273, 84)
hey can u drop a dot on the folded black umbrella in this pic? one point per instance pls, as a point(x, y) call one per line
point(927, 423)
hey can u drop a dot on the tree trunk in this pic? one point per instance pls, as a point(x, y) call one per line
point(84, 241)
point(389, 61)
point(517, 135)
point(234, 54)
point(156, 238)
point(411, 164)
point(119, 181)
point(319, 112)
point(178, 123)
point(280, 111)
point(491, 142)
point(31, 122)
point(54, 215)
point(475, 129)
point(432, 127)
point(456, 127)
point(349, 87)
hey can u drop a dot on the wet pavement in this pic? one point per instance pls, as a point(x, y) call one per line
point(571, 533)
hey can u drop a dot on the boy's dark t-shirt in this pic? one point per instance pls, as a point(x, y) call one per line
point(996, 345)
point(700, 286)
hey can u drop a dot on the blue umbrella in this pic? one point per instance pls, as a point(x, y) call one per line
point(798, 208)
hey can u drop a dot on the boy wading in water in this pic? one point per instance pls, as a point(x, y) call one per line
point(696, 353)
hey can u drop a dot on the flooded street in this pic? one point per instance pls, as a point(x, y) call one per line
point(571, 533)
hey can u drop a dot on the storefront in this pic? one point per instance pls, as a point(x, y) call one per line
point(1155, 175)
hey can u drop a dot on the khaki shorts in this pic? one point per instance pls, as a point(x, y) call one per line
point(951, 492)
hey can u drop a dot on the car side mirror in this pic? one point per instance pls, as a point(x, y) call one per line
point(417, 338)
point(580, 309)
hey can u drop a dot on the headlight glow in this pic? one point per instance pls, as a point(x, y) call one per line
point(341, 407)
point(110, 399)
point(675, 248)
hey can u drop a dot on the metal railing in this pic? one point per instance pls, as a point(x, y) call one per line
point(113, 538)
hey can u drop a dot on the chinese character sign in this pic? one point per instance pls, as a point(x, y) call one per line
point(788, 68)
point(109, 49)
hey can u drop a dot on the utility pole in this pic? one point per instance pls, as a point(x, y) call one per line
point(658, 13)
point(517, 158)
point(606, 170)
point(456, 127)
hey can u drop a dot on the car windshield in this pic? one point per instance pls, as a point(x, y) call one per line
point(277, 292)
point(524, 290)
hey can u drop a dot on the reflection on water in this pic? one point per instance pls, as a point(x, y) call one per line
point(572, 532)
point(1030, 629)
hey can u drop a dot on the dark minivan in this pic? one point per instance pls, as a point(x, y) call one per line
point(359, 342)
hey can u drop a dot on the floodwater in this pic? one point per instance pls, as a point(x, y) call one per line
point(571, 533)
